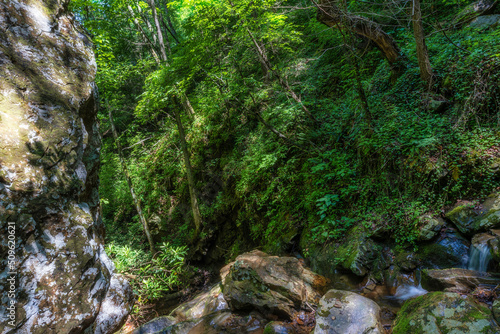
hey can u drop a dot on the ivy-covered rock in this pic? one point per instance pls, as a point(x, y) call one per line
point(348, 313)
point(444, 312)
point(270, 284)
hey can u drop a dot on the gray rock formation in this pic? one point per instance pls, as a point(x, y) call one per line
point(348, 313)
point(49, 163)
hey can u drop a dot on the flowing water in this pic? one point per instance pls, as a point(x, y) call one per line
point(479, 258)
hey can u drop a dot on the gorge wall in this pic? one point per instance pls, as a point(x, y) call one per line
point(49, 163)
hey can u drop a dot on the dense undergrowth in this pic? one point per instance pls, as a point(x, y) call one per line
point(420, 150)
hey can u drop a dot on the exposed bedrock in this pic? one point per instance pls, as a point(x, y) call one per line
point(49, 163)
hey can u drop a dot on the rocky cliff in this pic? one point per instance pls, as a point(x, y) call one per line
point(49, 163)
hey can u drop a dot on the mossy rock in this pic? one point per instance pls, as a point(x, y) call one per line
point(444, 312)
point(358, 252)
point(446, 252)
point(470, 220)
point(429, 227)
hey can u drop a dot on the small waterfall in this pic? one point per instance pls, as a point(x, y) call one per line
point(479, 257)
point(404, 292)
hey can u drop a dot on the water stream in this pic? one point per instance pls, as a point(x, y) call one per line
point(479, 258)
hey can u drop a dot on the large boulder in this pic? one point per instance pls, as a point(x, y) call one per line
point(347, 313)
point(49, 164)
point(270, 284)
point(456, 279)
point(444, 312)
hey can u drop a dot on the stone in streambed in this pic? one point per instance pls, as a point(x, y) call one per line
point(347, 313)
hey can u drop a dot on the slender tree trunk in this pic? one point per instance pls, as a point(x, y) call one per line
point(152, 4)
point(166, 35)
point(422, 55)
point(148, 24)
point(143, 33)
point(190, 176)
point(130, 186)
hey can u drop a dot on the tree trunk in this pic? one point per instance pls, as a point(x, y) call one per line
point(422, 55)
point(331, 15)
point(143, 33)
point(158, 30)
point(129, 182)
point(190, 176)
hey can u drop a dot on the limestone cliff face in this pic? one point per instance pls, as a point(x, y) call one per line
point(49, 162)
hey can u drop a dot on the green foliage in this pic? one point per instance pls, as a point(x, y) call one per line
point(152, 277)
point(258, 189)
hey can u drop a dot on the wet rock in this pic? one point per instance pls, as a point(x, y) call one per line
point(444, 312)
point(448, 250)
point(481, 239)
point(348, 313)
point(270, 284)
point(456, 279)
point(279, 327)
point(203, 304)
point(49, 165)
point(155, 325)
